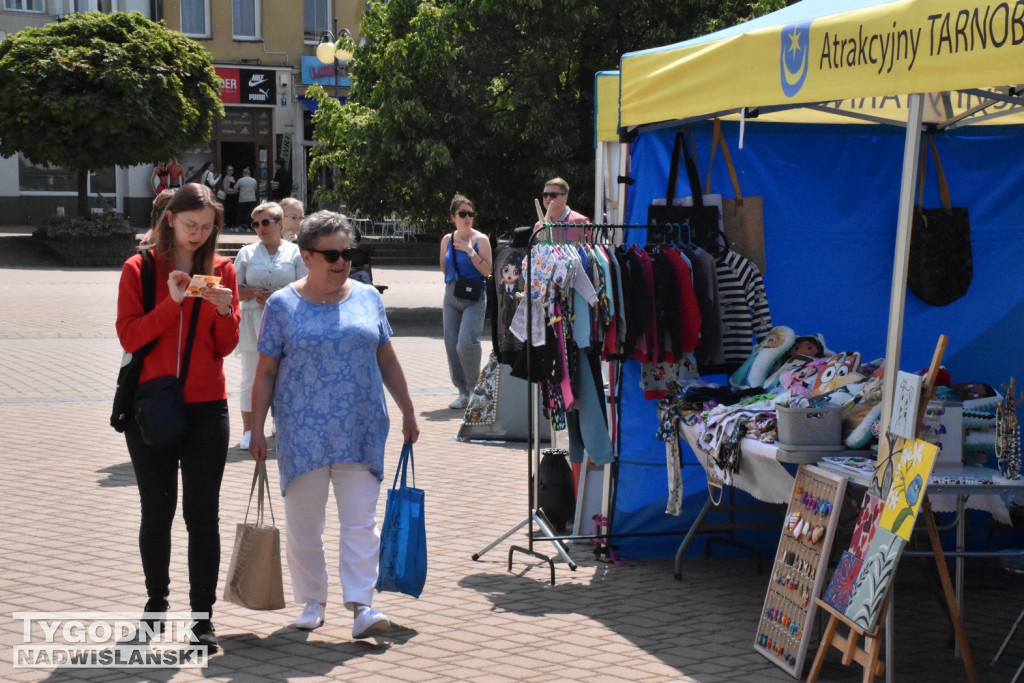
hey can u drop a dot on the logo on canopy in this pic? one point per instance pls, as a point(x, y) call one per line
point(794, 57)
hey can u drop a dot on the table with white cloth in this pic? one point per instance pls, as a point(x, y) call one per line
point(761, 474)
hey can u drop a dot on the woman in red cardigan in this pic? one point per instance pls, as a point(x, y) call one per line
point(184, 243)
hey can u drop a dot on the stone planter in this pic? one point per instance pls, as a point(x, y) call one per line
point(89, 253)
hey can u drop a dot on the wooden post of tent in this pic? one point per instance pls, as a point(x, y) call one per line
point(868, 656)
point(933, 533)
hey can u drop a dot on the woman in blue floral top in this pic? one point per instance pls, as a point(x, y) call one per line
point(325, 359)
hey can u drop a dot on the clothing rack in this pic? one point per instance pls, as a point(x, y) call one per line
point(591, 234)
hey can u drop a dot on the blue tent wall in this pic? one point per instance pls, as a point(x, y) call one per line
point(831, 195)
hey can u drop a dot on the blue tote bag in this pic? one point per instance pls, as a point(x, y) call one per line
point(403, 536)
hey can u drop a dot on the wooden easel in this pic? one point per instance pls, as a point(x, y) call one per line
point(868, 657)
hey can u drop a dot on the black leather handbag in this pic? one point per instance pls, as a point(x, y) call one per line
point(701, 221)
point(159, 408)
point(940, 267)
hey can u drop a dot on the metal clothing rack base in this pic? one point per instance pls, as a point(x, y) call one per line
point(536, 515)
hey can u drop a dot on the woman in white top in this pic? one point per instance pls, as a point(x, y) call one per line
point(263, 268)
point(247, 187)
point(208, 177)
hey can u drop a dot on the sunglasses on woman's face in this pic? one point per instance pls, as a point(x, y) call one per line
point(332, 255)
point(265, 222)
point(465, 214)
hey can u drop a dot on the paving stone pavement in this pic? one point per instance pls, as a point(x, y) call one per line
point(70, 523)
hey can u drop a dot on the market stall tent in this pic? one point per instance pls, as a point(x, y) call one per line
point(802, 92)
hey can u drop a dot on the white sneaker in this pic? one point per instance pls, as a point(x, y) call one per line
point(312, 616)
point(369, 622)
point(244, 443)
point(460, 403)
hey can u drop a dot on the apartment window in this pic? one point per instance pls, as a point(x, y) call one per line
point(195, 18)
point(26, 5)
point(244, 21)
point(317, 19)
point(39, 178)
point(106, 6)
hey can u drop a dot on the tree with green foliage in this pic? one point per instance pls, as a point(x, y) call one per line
point(489, 98)
point(97, 90)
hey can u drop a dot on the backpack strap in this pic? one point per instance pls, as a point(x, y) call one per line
point(148, 281)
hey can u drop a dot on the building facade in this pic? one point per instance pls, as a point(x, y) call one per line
point(265, 54)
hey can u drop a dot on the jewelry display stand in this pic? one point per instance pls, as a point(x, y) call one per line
point(801, 564)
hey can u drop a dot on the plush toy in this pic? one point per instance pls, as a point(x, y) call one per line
point(839, 370)
point(860, 413)
point(803, 350)
point(763, 358)
point(799, 379)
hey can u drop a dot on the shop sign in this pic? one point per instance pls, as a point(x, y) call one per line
point(229, 92)
point(245, 123)
point(315, 71)
point(247, 86)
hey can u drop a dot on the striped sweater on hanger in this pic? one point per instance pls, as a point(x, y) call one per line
point(744, 306)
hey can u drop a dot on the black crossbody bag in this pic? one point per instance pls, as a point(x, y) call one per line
point(159, 408)
point(467, 288)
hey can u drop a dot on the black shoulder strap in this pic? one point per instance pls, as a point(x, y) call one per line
point(148, 281)
point(148, 278)
point(455, 260)
point(196, 304)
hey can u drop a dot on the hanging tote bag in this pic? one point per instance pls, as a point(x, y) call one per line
point(403, 536)
point(700, 218)
point(131, 363)
point(467, 288)
point(254, 575)
point(940, 267)
point(742, 217)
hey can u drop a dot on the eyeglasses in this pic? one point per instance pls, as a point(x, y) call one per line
point(265, 222)
point(551, 195)
point(192, 227)
point(332, 255)
point(465, 214)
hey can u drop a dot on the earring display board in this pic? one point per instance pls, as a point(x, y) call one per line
point(801, 563)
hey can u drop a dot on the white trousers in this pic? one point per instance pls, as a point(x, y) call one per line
point(249, 362)
point(356, 491)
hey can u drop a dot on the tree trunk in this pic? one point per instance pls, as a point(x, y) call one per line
point(83, 193)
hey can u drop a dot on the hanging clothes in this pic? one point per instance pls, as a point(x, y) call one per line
point(744, 306)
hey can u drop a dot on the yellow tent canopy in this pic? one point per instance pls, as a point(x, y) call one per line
point(860, 57)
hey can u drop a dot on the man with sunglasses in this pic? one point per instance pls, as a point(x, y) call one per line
point(556, 204)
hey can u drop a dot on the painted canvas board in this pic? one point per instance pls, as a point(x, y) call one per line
point(874, 579)
point(911, 467)
point(867, 522)
point(904, 406)
point(861, 582)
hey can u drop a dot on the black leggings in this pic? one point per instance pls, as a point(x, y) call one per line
point(202, 456)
